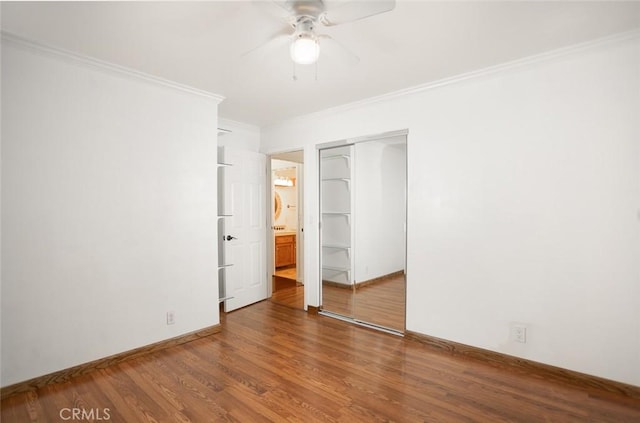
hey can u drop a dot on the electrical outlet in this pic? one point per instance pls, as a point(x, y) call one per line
point(519, 333)
point(171, 317)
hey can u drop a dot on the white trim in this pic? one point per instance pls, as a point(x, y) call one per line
point(364, 138)
point(526, 61)
point(102, 65)
point(226, 123)
point(383, 135)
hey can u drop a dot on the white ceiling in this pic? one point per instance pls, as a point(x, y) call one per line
point(201, 43)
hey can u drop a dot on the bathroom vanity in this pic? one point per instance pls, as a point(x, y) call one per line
point(285, 249)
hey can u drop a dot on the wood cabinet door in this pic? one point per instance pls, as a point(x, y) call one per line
point(285, 250)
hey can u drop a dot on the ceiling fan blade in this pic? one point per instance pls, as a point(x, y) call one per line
point(334, 48)
point(273, 8)
point(355, 10)
point(280, 38)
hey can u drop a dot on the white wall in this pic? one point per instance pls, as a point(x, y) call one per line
point(379, 190)
point(243, 136)
point(108, 211)
point(523, 196)
point(288, 216)
point(288, 195)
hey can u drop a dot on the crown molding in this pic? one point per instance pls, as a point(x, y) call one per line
point(91, 62)
point(231, 124)
point(479, 73)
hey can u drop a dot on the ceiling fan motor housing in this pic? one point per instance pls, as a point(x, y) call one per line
point(312, 9)
point(304, 25)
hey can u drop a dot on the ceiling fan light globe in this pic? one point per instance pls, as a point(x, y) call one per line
point(305, 50)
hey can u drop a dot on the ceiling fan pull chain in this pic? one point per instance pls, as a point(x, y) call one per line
point(295, 78)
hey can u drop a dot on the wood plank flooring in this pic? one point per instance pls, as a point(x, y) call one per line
point(288, 293)
point(275, 363)
point(381, 303)
point(289, 272)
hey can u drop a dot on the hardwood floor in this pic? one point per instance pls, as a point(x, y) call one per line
point(286, 291)
point(289, 272)
point(381, 303)
point(274, 363)
point(289, 293)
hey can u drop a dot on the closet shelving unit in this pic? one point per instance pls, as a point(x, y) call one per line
point(336, 175)
point(222, 215)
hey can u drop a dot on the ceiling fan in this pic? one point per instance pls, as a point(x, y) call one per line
point(303, 17)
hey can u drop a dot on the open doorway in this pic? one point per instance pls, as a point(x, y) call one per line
point(287, 229)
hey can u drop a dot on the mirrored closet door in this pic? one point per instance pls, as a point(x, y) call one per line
point(337, 230)
point(362, 237)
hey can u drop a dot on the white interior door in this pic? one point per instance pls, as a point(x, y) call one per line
point(244, 244)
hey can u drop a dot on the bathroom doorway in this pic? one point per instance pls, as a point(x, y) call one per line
point(287, 229)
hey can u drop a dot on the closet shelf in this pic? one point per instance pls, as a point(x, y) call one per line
point(345, 180)
point(224, 266)
point(337, 156)
point(339, 214)
point(220, 300)
point(224, 164)
point(345, 248)
point(336, 246)
point(337, 269)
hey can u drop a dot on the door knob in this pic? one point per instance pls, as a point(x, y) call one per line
point(228, 238)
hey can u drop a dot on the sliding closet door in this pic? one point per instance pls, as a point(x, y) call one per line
point(363, 231)
point(379, 232)
point(336, 230)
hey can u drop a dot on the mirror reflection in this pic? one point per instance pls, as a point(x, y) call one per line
point(363, 244)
